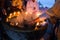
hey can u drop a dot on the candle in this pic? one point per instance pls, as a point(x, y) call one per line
point(37, 24)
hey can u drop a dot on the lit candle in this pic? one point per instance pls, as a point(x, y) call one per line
point(16, 23)
point(26, 13)
point(14, 13)
point(37, 24)
point(18, 13)
point(38, 14)
point(36, 28)
point(10, 15)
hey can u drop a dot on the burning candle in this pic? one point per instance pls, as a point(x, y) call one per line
point(38, 14)
point(36, 28)
point(18, 12)
point(37, 23)
point(26, 13)
point(14, 13)
point(10, 15)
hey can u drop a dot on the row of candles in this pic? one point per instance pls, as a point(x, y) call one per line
point(25, 16)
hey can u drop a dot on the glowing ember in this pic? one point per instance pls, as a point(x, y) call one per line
point(10, 15)
point(17, 18)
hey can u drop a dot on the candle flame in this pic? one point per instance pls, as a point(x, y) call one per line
point(38, 14)
point(36, 28)
point(17, 3)
point(12, 15)
point(37, 24)
point(26, 13)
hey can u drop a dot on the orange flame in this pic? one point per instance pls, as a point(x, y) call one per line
point(17, 3)
point(37, 23)
point(38, 14)
point(12, 15)
point(36, 28)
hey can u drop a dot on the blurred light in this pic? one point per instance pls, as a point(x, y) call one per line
point(14, 13)
point(10, 15)
point(26, 13)
point(46, 3)
point(16, 23)
point(36, 28)
point(37, 24)
point(43, 23)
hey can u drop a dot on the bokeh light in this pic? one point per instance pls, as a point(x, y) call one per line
point(46, 3)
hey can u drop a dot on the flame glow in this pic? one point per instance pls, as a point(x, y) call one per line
point(25, 15)
point(17, 3)
point(36, 28)
point(38, 14)
point(37, 24)
point(12, 15)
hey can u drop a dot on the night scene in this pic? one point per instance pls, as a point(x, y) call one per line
point(29, 19)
